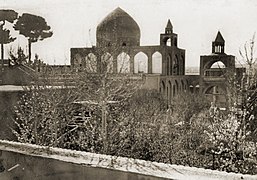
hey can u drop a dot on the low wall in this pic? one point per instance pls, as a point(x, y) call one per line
point(20, 161)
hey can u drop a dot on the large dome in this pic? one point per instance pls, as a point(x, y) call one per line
point(118, 29)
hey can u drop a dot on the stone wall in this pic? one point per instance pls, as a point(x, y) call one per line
point(19, 161)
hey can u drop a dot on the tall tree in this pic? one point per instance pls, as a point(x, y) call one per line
point(34, 28)
point(5, 38)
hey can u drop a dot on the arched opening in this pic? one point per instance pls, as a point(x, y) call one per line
point(218, 64)
point(191, 88)
point(140, 63)
point(169, 91)
point(157, 63)
point(176, 88)
point(182, 86)
point(182, 65)
point(168, 42)
point(197, 89)
point(90, 63)
point(175, 42)
point(107, 63)
point(163, 88)
point(123, 63)
point(168, 65)
point(173, 90)
point(186, 85)
point(215, 69)
point(175, 66)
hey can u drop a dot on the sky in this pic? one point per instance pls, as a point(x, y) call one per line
point(196, 22)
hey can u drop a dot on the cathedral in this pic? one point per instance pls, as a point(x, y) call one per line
point(163, 65)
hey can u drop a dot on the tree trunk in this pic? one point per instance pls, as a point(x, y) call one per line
point(104, 128)
point(29, 44)
point(104, 116)
point(2, 55)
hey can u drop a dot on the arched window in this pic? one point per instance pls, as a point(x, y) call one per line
point(90, 63)
point(107, 63)
point(157, 63)
point(123, 64)
point(140, 63)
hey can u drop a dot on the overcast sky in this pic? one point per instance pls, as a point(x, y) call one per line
point(196, 22)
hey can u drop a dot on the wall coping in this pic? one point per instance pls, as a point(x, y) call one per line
point(120, 163)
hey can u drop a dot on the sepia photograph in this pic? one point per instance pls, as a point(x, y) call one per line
point(128, 90)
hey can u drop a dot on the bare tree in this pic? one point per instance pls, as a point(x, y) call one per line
point(43, 114)
point(248, 57)
point(99, 85)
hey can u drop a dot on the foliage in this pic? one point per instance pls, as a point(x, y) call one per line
point(19, 58)
point(33, 27)
point(5, 37)
point(8, 15)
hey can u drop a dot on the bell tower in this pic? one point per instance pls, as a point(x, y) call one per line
point(218, 46)
point(169, 28)
point(168, 38)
